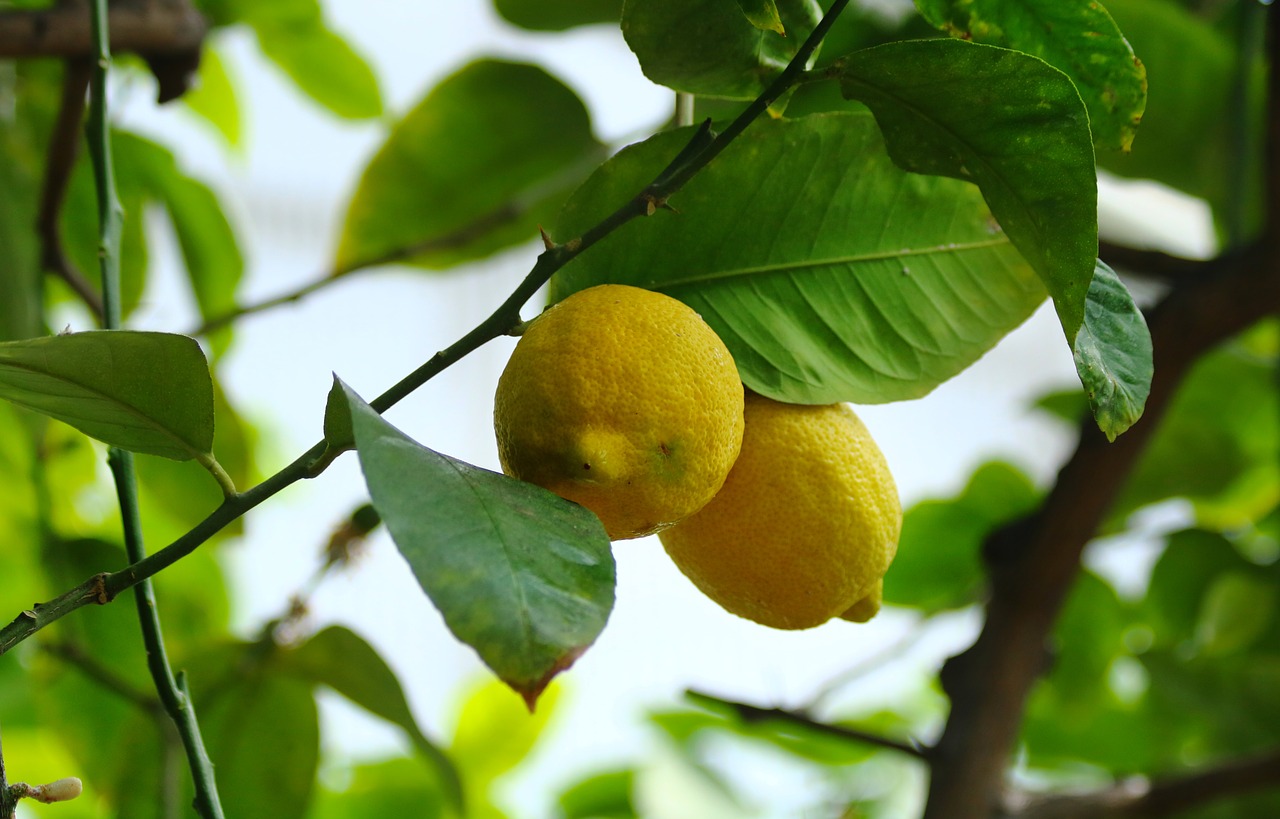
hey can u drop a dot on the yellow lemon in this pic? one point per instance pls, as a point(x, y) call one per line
point(806, 524)
point(625, 401)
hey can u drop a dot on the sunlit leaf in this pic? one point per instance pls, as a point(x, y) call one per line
point(1112, 353)
point(763, 14)
point(709, 47)
point(1008, 122)
point(474, 167)
point(833, 276)
point(1075, 36)
point(214, 97)
point(145, 392)
point(521, 575)
point(600, 796)
point(495, 733)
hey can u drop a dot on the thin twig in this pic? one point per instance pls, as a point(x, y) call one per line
point(754, 714)
point(104, 587)
point(64, 145)
point(875, 662)
point(75, 656)
point(172, 692)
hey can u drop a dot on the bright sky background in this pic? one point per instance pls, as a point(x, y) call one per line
point(286, 194)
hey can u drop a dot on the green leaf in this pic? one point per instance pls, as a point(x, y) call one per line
point(763, 14)
point(214, 97)
point(263, 735)
point(1112, 352)
point(831, 276)
point(939, 561)
point(380, 790)
point(521, 575)
point(21, 282)
point(145, 392)
point(1237, 608)
point(1076, 36)
point(495, 733)
point(293, 35)
point(338, 434)
point(558, 15)
point(1180, 579)
point(1008, 122)
point(600, 796)
point(341, 659)
point(706, 47)
point(476, 166)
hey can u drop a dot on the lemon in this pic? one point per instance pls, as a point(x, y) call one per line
point(625, 401)
point(867, 607)
point(806, 524)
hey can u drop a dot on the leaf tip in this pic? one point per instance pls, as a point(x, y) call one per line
point(530, 692)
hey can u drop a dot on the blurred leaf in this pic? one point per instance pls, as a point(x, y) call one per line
point(1112, 353)
point(521, 575)
point(600, 796)
point(1008, 122)
point(1236, 609)
point(20, 286)
point(835, 276)
point(495, 732)
point(394, 788)
point(294, 36)
point(939, 560)
point(145, 392)
point(763, 14)
point(1065, 405)
point(341, 659)
point(1186, 139)
point(262, 732)
point(707, 47)
point(214, 97)
point(558, 15)
point(1191, 560)
point(476, 166)
point(1087, 638)
point(1076, 36)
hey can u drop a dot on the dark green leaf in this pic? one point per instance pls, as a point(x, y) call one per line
point(1006, 121)
point(521, 575)
point(1186, 140)
point(558, 15)
point(20, 282)
point(214, 97)
point(1112, 352)
point(263, 735)
point(707, 47)
point(145, 392)
point(341, 659)
point(1075, 36)
point(1192, 559)
point(338, 435)
point(763, 14)
point(1237, 608)
point(600, 796)
point(470, 170)
point(293, 35)
point(939, 560)
point(834, 276)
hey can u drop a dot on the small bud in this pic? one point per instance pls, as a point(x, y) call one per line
point(63, 790)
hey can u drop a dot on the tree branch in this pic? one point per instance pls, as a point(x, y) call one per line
point(147, 28)
point(755, 714)
point(1138, 797)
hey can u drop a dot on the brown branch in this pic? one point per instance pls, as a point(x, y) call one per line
point(754, 714)
point(1138, 797)
point(147, 28)
point(64, 144)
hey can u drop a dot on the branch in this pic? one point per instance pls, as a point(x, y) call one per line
point(755, 714)
point(148, 28)
point(1138, 797)
point(102, 588)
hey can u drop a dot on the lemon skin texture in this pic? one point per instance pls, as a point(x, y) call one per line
point(625, 401)
point(868, 607)
point(806, 524)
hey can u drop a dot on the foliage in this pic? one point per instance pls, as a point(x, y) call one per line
point(917, 189)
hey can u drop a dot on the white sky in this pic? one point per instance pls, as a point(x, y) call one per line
point(286, 194)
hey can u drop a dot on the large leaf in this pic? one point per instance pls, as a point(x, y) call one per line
point(1077, 36)
point(145, 392)
point(1112, 353)
point(293, 35)
point(939, 561)
point(830, 273)
point(709, 47)
point(341, 659)
point(521, 575)
point(476, 166)
point(558, 15)
point(1008, 122)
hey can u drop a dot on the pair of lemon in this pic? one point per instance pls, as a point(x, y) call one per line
point(625, 401)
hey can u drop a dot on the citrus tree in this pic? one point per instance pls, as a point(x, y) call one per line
point(858, 204)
